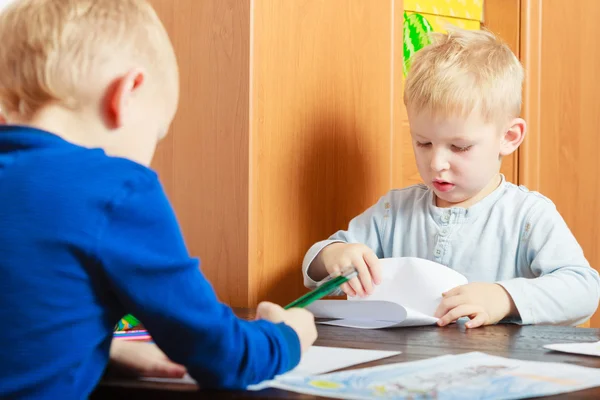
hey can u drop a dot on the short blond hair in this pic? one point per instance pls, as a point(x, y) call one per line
point(53, 50)
point(464, 71)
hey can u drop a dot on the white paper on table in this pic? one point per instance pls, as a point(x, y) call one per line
point(186, 379)
point(317, 360)
point(586, 348)
point(410, 291)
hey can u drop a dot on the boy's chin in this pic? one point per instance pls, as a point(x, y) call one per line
point(451, 198)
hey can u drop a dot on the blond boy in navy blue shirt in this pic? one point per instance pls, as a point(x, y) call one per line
point(88, 88)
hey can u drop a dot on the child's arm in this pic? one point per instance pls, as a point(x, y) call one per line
point(360, 245)
point(564, 288)
point(143, 258)
point(556, 285)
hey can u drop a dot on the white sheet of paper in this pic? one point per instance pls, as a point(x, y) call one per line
point(317, 360)
point(410, 291)
point(586, 348)
point(187, 379)
point(373, 310)
point(415, 283)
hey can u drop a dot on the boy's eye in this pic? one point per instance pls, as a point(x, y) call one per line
point(460, 149)
point(419, 144)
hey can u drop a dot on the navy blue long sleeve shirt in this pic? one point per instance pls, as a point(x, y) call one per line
point(86, 238)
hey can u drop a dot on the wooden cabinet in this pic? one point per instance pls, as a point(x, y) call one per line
point(285, 131)
point(321, 128)
point(560, 155)
point(291, 122)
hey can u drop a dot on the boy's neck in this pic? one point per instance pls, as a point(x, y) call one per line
point(491, 186)
point(86, 128)
point(73, 126)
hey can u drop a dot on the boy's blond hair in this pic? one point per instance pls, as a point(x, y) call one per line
point(464, 71)
point(55, 51)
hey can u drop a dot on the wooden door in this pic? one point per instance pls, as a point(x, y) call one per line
point(323, 82)
point(502, 17)
point(284, 131)
point(560, 156)
point(203, 162)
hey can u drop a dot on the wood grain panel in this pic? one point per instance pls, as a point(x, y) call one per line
point(402, 154)
point(321, 128)
point(204, 161)
point(531, 57)
point(502, 17)
point(562, 161)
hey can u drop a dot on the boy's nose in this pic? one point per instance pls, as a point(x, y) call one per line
point(439, 162)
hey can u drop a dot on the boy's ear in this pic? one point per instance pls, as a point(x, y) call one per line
point(513, 136)
point(119, 97)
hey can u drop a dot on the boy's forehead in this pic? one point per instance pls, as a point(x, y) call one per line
point(451, 127)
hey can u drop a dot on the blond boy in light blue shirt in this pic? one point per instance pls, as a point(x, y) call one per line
point(463, 98)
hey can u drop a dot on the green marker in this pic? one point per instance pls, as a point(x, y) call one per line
point(325, 287)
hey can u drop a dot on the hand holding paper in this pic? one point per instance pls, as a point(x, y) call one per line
point(337, 256)
point(484, 303)
point(409, 294)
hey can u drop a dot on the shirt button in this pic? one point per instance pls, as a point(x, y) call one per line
point(445, 217)
point(438, 252)
point(444, 232)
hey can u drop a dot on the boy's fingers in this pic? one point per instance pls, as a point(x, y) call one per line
point(453, 292)
point(476, 322)
point(345, 287)
point(447, 304)
point(373, 263)
point(463, 310)
point(356, 286)
point(165, 369)
point(269, 311)
point(176, 370)
point(348, 290)
point(363, 275)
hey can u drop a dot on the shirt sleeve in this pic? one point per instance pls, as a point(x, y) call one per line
point(143, 254)
point(365, 228)
point(563, 288)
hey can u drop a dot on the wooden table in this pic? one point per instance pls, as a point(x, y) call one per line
point(524, 343)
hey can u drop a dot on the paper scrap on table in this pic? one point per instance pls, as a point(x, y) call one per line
point(586, 348)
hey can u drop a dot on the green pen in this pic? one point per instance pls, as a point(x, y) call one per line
point(325, 287)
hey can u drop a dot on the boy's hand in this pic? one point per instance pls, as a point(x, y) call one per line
point(337, 256)
point(484, 303)
point(143, 359)
point(300, 320)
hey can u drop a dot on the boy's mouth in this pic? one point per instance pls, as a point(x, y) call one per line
point(442, 186)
